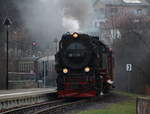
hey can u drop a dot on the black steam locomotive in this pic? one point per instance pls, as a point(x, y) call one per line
point(84, 66)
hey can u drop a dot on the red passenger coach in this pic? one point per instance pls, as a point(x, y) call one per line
point(84, 66)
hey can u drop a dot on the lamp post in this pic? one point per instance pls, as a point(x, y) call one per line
point(7, 23)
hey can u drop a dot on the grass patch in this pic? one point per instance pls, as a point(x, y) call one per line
point(124, 107)
point(132, 95)
point(128, 107)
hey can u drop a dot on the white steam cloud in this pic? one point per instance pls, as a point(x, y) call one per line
point(42, 18)
point(71, 24)
point(49, 19)
point(79, 12)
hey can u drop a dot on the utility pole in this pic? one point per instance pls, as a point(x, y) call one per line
point(56, 41)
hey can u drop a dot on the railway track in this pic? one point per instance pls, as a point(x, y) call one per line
point(61, 107)
point(34, 108)
point(52, 107)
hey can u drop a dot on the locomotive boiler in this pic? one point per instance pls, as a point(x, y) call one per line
point(84, 66)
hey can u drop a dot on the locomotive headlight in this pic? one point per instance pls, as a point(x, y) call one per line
point(65, 70)
point(75, 35)
point(87, 69)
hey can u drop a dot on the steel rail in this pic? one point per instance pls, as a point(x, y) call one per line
point(33, 108)
point(60, 108)
point(52, 106)
point(68, 105)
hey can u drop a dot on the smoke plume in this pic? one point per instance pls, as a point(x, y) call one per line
point(49, 19)
point(80, 12)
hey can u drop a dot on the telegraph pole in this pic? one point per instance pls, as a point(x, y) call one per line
point(55, 41)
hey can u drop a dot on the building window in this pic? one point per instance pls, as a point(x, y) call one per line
point(113, 11)
point(139, 11)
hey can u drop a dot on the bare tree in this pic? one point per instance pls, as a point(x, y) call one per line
point(132, 48)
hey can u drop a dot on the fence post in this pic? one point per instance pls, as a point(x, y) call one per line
point(143, 105)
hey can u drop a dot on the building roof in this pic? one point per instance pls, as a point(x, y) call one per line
point(132, 1)
point(135, 2)
point(123, 2)
point(109, 2)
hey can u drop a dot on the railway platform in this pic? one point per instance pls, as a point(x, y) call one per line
point(21, 97)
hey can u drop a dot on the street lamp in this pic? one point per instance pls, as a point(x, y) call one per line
point(7, 23)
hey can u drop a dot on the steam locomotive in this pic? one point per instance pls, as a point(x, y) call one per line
point(84, 66)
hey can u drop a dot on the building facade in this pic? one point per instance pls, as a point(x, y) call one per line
point(109, 12)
